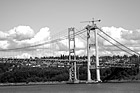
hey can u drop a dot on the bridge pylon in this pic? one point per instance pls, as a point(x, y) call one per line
point(88, 57)
point(72, 69)
point(89, 28)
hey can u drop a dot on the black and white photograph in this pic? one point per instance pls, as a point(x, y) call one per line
point(69, 46)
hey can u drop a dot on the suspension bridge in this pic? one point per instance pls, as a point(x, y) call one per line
point(65, 43)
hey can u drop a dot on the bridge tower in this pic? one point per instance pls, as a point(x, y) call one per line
point(89, 28)
point(72, 70)
point(96, 53)
point(94, 27)
point(88, 56)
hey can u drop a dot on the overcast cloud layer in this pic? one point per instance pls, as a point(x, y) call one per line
point(23, 36)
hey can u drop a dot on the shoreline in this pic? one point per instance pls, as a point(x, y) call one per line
point(122, 81)
point(63, 82)
point(32, 83)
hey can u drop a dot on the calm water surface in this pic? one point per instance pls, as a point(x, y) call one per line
point(74, 88)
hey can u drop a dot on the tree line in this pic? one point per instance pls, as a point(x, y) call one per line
point(37, 74)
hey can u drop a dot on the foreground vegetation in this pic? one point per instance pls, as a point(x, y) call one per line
point(36, 74)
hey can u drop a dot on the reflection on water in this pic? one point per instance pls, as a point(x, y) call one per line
point(74, 88)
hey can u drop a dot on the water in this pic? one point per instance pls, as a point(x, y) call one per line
point(74, 88)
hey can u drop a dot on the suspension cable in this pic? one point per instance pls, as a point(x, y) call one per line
point(117, 41)
point(114, 44)
point(48, 42)
point(81, 36)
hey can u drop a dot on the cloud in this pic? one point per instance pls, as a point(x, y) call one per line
point(4, 44)
point(131, 35)
point(65, 44)
point(62, 45)
point(81, 52)
point(113, 32)
point(58, 53)
point(41, 36)
point(3, 35)
point(22, 36)
point(105, 52)
point(128, 38)
point(79, 43)
point(24, 55)
point(21, 33)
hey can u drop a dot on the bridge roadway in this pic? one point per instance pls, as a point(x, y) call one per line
point(118, 65)
point(66, 62)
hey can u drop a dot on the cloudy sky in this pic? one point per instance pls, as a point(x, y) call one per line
point(31, 22)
